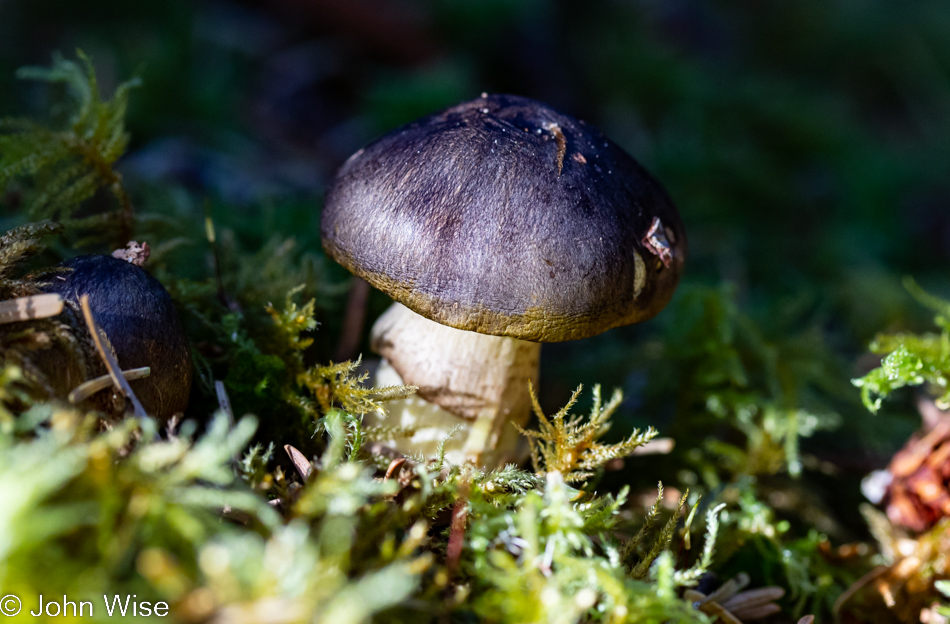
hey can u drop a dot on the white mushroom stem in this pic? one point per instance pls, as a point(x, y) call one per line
point(466, 380)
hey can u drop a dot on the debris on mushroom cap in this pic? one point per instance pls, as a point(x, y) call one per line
point(657, 242)
point(506, 217)
point(134, 252)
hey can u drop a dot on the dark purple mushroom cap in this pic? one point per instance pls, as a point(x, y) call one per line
point(138, 315)
point(503, 216)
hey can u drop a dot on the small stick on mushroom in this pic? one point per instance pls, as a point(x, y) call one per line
point(29, 308)
point(101, 341)
point(86, 389)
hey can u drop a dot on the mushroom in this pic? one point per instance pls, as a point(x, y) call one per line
point(496, 225)
point(137, 315)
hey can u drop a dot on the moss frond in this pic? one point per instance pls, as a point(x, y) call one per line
point(16, 246)
point(510, 480)
point(337, 385)
point(568, 444)
point(538, 563)
point(293, 321)
point(911, 359)
point(69, 162)
point(632, 544)
point(660, 543)
point(691, 575)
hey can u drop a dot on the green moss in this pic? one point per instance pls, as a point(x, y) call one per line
point(71, 160)
point(206, 516)
point(912, 359)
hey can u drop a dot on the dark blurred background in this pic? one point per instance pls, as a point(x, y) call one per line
point(806, 144)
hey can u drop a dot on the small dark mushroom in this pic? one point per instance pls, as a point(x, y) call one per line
point(514, 223)
point(138, 316)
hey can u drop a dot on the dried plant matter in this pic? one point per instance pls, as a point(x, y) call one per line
point(26, 336)
point(107, 353)
point(29, 308)
point(135, 252)
point(908, 584)
point(918, 495)
point(733, 604)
